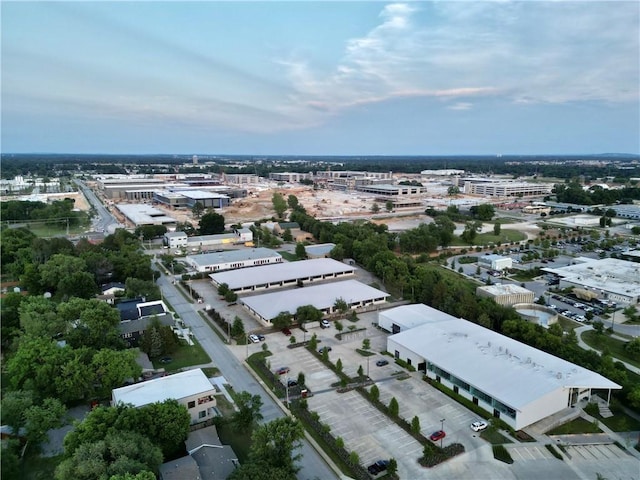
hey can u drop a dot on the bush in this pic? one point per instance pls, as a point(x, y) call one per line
point(502, 454)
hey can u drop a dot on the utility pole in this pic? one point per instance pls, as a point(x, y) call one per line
point(441, 428)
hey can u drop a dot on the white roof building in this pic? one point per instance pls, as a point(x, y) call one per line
point(506, 293)
point(191, 388)
point(515, 382)
point(286, 274)
point(233, 259)
point(611, 278)
point(142, 214)
point(323, 297)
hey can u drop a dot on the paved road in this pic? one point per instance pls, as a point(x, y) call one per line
point(312, 464)
point(105, 222)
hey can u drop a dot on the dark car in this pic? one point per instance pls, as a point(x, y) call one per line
point(382, 363)
point(378, 467)
point(166, 360)
point(261, 337)
point(437, 435)
point(286, 331)
point(322, 349)
point(292, 383)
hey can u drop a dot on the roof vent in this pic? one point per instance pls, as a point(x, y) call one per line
point(559, 375)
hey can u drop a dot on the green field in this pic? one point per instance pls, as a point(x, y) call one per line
point(184, 356)
point(615, 346)
point(579, 425)
point(505, 237)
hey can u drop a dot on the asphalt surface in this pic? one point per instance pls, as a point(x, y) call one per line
point(312, 464)
point(105, 222)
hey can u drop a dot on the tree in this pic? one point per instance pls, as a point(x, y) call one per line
point(95, 323)
point(119, 453)
point(38, 318)
point(301, 252)
point(279, 204)
point(58, 268)
point(113, 367)
point(248, 411)
point(375, 393)
point(237, 329)
point(340, 305)
point(313, 343)
point(197, 210)
point(223, 288)
point(392, 467)
point(282, 320)
point(211, 223)
point(286, 235)
point(415, 425)
point(308, 313)
point(14, 405)
point(338, 363)
point(366, 344)
point(293, 202)
point(375, 208)
point(272, 447)
point(496, 228)
point(394, 408)
point(39, 419)
point(484, 212)
point(453, 191)
point(134, 288)
point(388, 205)
point(360, 371)
point(231, 296)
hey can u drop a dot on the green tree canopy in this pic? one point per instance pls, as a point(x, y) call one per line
point(308, 313)
point(248, 411)
point(211, 223)
point(282, 320)
point(279, 204)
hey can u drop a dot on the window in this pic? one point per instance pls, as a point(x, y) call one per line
point(202, 414)
point(191, 404)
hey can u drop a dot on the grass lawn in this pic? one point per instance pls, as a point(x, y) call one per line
point(621, 422)
point(506, 236)
point(289, 257)
point(579, 425)
point(616, 347)
point(184, 356)
point(503, 220)
point(494, 437)
point(239, 441)
point(567, 324)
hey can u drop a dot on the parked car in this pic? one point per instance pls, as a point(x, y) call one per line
point(437, 435)
point(166, 360)
point(479, 425)
point(322, 349)
point(286, 331)
point(378, 467)
point(282, 370)
point(382, 363)
point(261, 337)
point(292, 383)
point(254, 338)
point(325, 323)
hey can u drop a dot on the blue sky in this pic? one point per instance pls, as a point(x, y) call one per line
point(321, 78)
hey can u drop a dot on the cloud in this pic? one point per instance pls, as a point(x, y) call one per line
point(520, 52)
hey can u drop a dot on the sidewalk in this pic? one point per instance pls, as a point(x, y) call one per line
point(582, 344)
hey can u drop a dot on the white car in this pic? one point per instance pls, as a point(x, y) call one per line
point(478, 426)
point(254, 338)
point(325, 323)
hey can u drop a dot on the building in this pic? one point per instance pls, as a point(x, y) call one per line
point(233, 259)
point(175, 239)
point(139, 307)
point(132, 330)
point(191, 388)
point(320, 250)
point(280, 275)
point(512, 381)
point(495, 262)
point(290, 177)
point(142, 214)
point(506, 294)
point(241, 178)
point(323, 297)
point(536, 209)
point(492, 187)
point(406, 317)
point(611, 279)
point(400, 196)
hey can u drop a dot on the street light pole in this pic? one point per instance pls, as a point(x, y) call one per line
point(367, 366)
point(442, 429)
point(287, 388)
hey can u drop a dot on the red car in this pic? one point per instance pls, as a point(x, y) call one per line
point(282, 370)
point(438, 435)
point(286, 331)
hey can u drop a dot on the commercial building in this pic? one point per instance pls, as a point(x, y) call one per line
point(191, 389)
point(200, 242)
point(142, 214)
point(233, 259)
point(401, 196)
point(319, 250)
point(175, 239)
point(323, 297)
point(609, 278)
point(493, 187)
point(512, 381)
point(506, 294)
point(288, 274)
point(495, 262)
point(290, 177)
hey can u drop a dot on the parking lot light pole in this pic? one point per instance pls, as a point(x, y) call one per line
point(367, 366)
point(441, 428)
point(287, 388)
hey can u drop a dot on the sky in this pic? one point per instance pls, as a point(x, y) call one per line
point(321, 78)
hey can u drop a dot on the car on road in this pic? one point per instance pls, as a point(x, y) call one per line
point(282, 370)
point(254, 338)
point(382, 363)
point(378, 467)
point(437, 435)
point(286, 331)
point(479, 425)
point(325, 323)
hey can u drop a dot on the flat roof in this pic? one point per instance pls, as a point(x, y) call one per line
point(227, 256)
point(606, 274)
point(179, 385)
point(141, 213)
point(493, 256)
point(201, 194)
point(510, 371)
point(269, 305)
point(503, 289)
point(280, 272)
point(413, 315)
point(319, 249)
point(204, 238)
point(175, 234)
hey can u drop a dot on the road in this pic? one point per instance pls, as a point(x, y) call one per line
point(105, 221)
point(312, 465)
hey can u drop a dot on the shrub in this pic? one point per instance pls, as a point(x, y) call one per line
point(502, 454)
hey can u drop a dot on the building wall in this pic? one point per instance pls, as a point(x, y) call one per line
point(175, 242)
point(501, 263)
point(508, 299)
point(201, 406)
point(218, 267)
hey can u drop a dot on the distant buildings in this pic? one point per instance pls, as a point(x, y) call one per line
point(495, 262)
point(493, 187)
point(510, 380)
